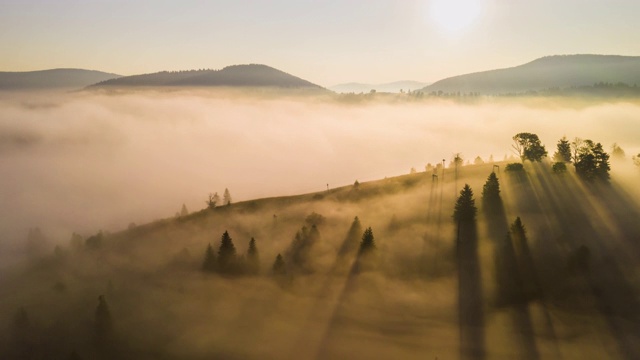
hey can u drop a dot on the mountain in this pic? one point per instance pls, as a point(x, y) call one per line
point(252, 75)
point(52, 79)
point(392, 87)
point(559, 71)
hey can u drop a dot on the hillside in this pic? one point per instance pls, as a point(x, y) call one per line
point(565, 283)
point(560, 71)
point(392, 87)
point(253, 75)
point(52, 79)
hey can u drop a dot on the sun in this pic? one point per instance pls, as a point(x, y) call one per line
point(454, 16)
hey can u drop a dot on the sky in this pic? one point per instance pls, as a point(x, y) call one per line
point(327, 42)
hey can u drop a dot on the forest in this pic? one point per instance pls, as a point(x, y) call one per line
point(532, 257)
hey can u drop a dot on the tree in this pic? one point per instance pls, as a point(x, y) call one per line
point(563, 152)
point(184, 211)
point(21, 337)
point(636, 160)
point(253, 258)
point(209, 263)
point(478, 161)
point(367, 244)
point(559, 167)
point(576, 146)
point(226, 254)
point(279, 267)
point(213, 200)
point(592, 162)
point(456, 161)
point(491, 190)
point(314, 219)
point(103, 324)
point(617, 152)
point(465, 209)
point(226, 198)
point(529, 147)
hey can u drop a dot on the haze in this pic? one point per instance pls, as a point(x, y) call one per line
point(89, 161)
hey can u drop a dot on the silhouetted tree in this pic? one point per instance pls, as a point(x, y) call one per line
point(226, 198)
point(21, 336)
point(526, 270)
point(209, 263)
point(465, 209)
point(528, 147)
point(314, 219)
point(576, 146)
point(559, 167)
point(563, 152)
point(226, 254)
point(636, 160)
point(367, 244)
point(592, 162)
point(184, 211)
point(279, 267)
point(457, 160)
point(514, 167)
point(491, 190)
point(213, 200)
point(94, 242)
point(253, 258)
point(103, 325)
point(478, 161)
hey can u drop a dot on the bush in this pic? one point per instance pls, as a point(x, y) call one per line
point(559, 167)
point(514, 167)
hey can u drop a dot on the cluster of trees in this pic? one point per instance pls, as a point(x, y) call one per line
point(590, 160)
point(214, 199)
point(227, 262)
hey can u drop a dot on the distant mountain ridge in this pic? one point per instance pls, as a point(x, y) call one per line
point(251, 75)
point(52, 79)
point(392, 87)
point(558, 71)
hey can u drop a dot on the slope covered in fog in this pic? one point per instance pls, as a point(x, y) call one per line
point(560, 71)
point(52, 79)
point(567, 285)
point(252, 75)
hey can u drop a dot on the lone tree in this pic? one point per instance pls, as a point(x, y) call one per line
point(103, 324)
point(279, 267)
point(184, 211)
point(592, 162)
point(563, 152)
point(528, 147)
point(465, 209)
point(253, 258)
point(226, 198)
point(367, 244)
point(209, 264)
point(226, 254)
point(491, 189)
point(213, 200)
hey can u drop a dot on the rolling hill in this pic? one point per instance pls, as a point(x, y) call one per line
point(551, 72)
point(252, 75)
point(52, 79)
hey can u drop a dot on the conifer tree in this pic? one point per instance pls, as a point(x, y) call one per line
point(279, 266)
point(563, 152)
point(209, 264)
point(226, 198)
point(103, 324)
point(367, 244)
point(184, 211)
point(465, 209)
point(350, 243)
point(226, 253)
point(491, 189)
point(253, 257)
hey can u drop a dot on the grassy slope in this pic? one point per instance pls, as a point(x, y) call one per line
point(166, 308)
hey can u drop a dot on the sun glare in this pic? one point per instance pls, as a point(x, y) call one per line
point(454, 16)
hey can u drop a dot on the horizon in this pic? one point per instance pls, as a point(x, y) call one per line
point(327, 44)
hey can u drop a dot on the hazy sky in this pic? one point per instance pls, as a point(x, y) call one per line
point(326, 42)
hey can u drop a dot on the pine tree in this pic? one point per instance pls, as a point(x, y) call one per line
point(279, 267)
point(226, 198)
point(367, 244)
point(563, 152)
point(226, 254)
point(465, 208)
point(253, 257)
point(103, 324)
point(209, 264)
point(350, 243)
point(592, 161)
point(491, 189)
point(184, 211)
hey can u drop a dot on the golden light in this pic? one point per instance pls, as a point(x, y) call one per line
point(454, 16)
